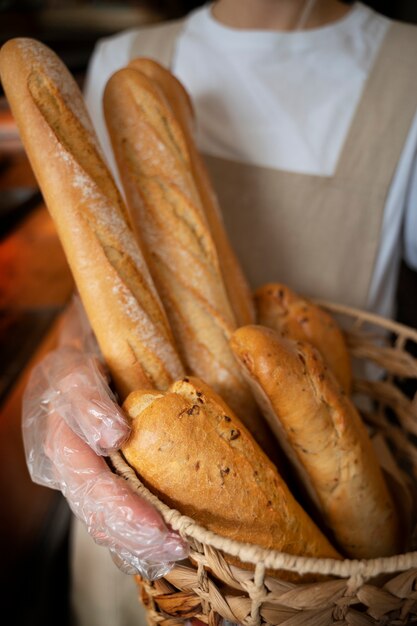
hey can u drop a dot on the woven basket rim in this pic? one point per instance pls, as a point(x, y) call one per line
point(256, 555)
point(273, 559)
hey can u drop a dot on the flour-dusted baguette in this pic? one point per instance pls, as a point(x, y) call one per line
point(237, 287)
point(92, 222)
point(193, 452)
point(324, 436)
point(155, 168)
point(280, 308)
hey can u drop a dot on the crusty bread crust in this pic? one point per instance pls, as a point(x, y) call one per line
point(191, 449)
point(92, 222)
point(329, 443)
point(238, 291)
point(155, 168)
point(280, 308)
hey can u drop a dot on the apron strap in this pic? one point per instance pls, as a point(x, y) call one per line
point(320, 234)
point(385, 112)
point(290, 243)
point(157, 42)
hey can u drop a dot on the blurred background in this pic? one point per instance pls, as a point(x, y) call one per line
point(71, 27)
point(34, 289)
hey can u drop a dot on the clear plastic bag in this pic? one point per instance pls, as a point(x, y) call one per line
point(70, 422)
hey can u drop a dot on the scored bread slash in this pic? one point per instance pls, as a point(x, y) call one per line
point(110, 273)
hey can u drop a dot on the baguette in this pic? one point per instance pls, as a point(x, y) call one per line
point(155, 168)
point(192, 451)
point(92, 221)
point(325, 438)
point(238, 291)
point(280, 308)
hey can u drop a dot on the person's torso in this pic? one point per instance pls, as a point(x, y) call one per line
point(274, 121)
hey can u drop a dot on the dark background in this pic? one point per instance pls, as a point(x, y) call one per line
point(41, 19)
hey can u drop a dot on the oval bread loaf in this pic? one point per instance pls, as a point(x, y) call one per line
point(325, 438)
point(191, 450)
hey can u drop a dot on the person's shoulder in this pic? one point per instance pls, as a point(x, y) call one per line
point(121, 42)
point(128, 34)
point(371, 16)
point(405, 27)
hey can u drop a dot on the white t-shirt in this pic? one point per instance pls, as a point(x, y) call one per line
point(283, 100)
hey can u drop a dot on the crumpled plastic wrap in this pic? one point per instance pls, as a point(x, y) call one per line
point(70, 421)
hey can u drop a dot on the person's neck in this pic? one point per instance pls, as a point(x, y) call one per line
point(284, 15)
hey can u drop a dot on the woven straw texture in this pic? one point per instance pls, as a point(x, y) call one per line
point(352, 592)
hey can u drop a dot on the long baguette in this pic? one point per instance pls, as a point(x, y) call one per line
point(325, 438)
point(238, 290)
point(92, 221)
point(155, 169)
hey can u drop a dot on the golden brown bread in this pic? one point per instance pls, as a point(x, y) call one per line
point(238, 291)
point(197, 456)
point(324, 436)
point(115, 286)
point(280, 308)
point(155, 168)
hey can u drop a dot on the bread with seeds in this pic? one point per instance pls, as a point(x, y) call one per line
point(280, 308)
point(324, 436)
point(192, 451)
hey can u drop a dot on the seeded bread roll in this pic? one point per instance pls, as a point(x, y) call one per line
point(156, 171)
point(92, 221)
point(325, 438)
point(193, 452)
point(237, 287)
point(280, 308)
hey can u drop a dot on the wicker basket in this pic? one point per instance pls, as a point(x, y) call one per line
point(354, 592)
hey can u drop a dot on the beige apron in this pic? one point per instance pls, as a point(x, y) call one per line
point(319, 234)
